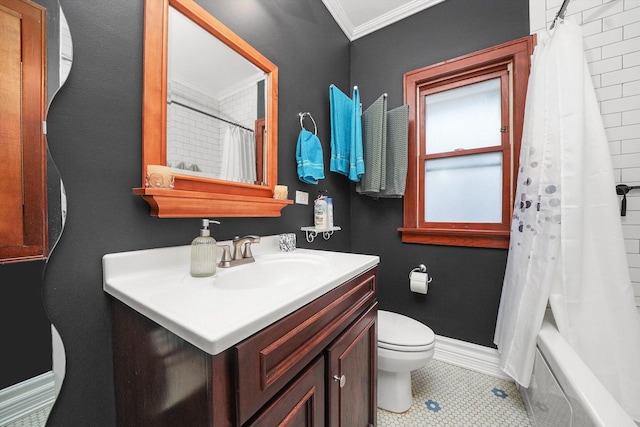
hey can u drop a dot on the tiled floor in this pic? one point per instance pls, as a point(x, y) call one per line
point(443, 395)
point(36, 418)
point(449, 396)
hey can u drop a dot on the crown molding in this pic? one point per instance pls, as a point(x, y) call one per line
point(353, 33)
point(340, 16)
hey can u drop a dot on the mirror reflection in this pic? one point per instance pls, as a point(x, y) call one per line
point(35, 366)
point(242, 182)
point(59, 60)
point(215, 107)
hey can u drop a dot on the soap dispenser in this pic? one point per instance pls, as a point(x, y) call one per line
point(203, 252)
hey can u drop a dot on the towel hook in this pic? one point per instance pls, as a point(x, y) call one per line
point(302, 115)
point(622, 190)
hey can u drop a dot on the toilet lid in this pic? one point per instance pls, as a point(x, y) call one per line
point(398, 332)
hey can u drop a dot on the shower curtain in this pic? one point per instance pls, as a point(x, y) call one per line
point(567, 246)
point(238, 155)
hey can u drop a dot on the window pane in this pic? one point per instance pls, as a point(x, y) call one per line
point(463, 118)
point(464, 189)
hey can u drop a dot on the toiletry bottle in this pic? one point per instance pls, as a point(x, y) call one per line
point(203, 252)
point(320, 214)
point(329, 212)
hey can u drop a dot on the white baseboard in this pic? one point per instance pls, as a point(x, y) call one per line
point(27, 396)
point(469, 356)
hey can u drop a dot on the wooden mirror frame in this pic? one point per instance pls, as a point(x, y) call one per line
point(195, 196)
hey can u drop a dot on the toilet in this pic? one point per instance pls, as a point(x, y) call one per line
point(404, 345)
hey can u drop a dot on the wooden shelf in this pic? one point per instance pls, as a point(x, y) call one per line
point(166, 203)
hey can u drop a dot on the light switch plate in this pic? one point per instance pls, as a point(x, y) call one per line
point(302, 198)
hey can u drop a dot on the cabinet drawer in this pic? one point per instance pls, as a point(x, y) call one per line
point(273, 356)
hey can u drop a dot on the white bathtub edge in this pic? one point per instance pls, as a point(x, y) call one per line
point(595, 399)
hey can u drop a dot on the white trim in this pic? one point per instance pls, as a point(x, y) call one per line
point(537, 16)
point(470, 356)
point(408, 9)
point(340, 16)
point(25, 397)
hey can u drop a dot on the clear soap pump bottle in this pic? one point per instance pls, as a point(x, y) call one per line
point(203, 252)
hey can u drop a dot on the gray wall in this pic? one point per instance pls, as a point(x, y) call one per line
point(24, 327)
point(463, 298)
point(95, 134)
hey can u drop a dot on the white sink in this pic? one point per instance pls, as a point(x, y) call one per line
point(271, 270)
point(215, 313)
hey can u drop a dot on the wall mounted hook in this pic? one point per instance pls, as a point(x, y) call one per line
point(622, 190)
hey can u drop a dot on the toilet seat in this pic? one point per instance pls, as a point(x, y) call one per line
point(402, 333)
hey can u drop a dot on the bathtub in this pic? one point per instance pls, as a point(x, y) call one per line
point(563, 391)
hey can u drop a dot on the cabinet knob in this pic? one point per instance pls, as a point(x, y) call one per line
point(342, 380)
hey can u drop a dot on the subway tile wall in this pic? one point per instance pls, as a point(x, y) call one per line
point(195, 138)
point(611, 32)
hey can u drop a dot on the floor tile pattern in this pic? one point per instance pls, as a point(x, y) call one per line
point(445, 395)
point(37, 418)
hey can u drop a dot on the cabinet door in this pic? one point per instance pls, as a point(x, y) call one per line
point(300, 404)
point(270, 359)
point(352, 374)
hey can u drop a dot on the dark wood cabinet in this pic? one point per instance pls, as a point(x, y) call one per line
point(280, 376)
point(300, 404)
point(351, 397)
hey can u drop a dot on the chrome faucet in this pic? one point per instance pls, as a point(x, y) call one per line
point(241, 251)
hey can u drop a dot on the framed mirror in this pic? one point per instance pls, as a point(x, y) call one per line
point(210, 114)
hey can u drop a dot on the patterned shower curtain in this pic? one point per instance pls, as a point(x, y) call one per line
point(567, 246)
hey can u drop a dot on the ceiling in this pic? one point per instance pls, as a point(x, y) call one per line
point(358, 18)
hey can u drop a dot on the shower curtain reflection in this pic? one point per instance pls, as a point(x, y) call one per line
point(238, 155)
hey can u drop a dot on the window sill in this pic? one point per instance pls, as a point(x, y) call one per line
point(456, 237)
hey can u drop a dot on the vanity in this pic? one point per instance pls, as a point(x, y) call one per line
point(289, 339)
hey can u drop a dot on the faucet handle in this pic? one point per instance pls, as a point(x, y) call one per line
point(247, 247)
point(225, 260)
point(247, 251)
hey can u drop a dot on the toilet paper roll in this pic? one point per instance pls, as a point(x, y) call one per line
point(419, 282)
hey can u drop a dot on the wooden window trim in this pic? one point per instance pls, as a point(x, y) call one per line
point(517, 54)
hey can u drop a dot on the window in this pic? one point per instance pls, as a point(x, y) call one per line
point(465, 127)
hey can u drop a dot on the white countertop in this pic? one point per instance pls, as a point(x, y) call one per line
point(157, 284)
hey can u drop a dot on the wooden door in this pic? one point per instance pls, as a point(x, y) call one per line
point(22, 148)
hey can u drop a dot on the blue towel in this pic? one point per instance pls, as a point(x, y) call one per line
point(346, 134)
point(309, 158)
point(356, 156)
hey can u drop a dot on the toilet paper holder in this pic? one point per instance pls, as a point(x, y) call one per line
point(421, 268)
